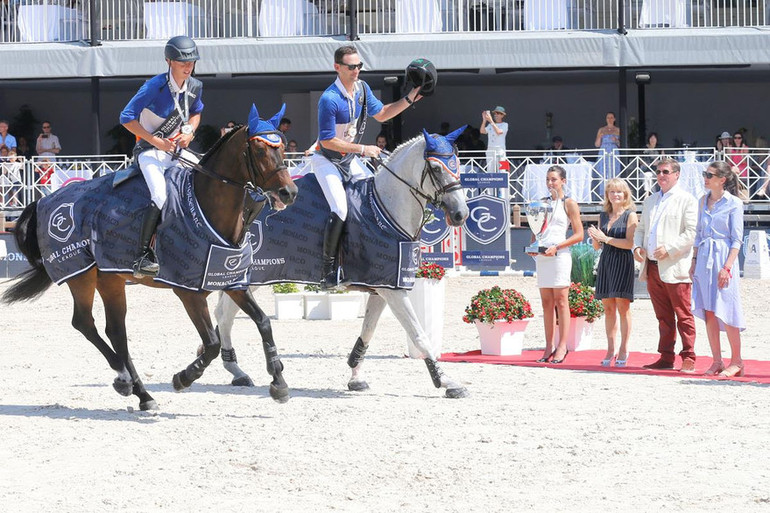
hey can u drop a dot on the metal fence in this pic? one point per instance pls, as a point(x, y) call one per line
point(25, 180)
point(70, 20)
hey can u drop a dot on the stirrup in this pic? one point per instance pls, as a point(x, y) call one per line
point(146, 266)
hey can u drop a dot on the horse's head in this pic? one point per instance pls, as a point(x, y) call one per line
point(265, 159)
point(443, 169)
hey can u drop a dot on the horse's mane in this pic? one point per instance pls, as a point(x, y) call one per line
point(400, 147)
point(219, 143)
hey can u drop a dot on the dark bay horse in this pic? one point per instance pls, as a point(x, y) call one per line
point(233, 181)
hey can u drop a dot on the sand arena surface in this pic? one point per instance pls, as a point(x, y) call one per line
point(525, 440)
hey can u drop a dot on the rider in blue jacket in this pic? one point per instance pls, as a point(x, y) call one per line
point(163, 115)
point(342, 112)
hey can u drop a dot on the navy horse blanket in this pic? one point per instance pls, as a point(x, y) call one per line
point(288, 245)
point(96, 223)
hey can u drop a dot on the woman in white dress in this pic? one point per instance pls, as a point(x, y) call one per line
point(555, 265)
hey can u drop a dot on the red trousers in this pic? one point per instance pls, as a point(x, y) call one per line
point(671, 302)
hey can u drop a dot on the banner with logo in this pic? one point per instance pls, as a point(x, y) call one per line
point(486, 235)
point(437, 240)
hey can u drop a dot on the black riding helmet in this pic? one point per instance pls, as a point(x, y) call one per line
point(181, 49)
point(422, 72)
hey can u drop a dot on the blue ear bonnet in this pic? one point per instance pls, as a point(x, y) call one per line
point(267, 131)
point(440, 149)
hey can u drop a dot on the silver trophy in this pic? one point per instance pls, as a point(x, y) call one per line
point(539, 212)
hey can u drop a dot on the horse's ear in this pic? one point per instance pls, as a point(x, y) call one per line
point(430, 142)
point(276, 120)
point(253, 120)
point(454, 135)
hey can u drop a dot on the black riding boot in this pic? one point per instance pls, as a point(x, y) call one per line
point(147, 263)
point(332, 235)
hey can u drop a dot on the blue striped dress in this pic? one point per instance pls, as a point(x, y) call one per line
point(615, 273)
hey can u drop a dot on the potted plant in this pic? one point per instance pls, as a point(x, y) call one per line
point(338, 304)
point(500, 316)
point(584, 309)
point(427, 297)
point(288, 301)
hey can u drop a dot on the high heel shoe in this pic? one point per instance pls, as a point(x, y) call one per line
point(621, 363)
point(716, 368)
point(545, 359)
point(607, 363)
point(731, 371)
point(555, 361)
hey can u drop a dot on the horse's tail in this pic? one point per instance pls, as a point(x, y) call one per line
point(33, 282)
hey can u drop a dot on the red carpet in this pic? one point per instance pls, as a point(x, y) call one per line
point(757, 371)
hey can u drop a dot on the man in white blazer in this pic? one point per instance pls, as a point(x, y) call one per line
point(663, 244)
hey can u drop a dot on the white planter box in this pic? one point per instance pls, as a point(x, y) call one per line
point(316, 305)
point(503, 338)
point(580, 336)
point(428, 297)
point(344, 306)
point(289, 306)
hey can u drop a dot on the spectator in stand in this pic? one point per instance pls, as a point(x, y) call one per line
point(47, 143)
point(227, 128)
point(284, 125)
point(736, 155)
point(23, 149)
point(6, 139)
point(292, 147)
point(496, 133)
point(715, 286)
point(11, 177)
point(723, 141)
point(652, 155)
point(663, 243)
point(45, 170)
point(615, 273)
point(608, 139)
point(382, 142)
point(444, 128)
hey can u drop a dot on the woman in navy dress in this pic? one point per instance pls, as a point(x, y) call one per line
point(615, 273)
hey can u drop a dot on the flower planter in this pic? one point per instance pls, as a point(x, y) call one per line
point(316, 305)
point(502, 338)
point(344, 306)
point(289, 306)
point(580, 336)
point(428, 297)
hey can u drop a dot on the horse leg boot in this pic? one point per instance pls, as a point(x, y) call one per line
point(374, 307)
point(147, 263)
point(332, 235)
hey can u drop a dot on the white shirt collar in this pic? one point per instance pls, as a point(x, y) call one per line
point(670, 192)
point(175, 88)
point(344, 91)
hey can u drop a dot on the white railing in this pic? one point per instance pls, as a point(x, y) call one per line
point(587, 171)
point(69, 20)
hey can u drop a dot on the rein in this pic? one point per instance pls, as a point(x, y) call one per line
point(435, 200)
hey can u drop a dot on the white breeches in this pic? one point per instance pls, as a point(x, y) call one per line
point(153, 163)
point(331, 182)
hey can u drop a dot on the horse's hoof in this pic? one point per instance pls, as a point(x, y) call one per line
point(176, 382)
point(358, 386)
point(148, 405)
point(124, 388)
point(243, 381)
point(457, 393)
point(279, 394)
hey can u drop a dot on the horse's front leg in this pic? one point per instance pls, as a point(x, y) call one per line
point(402, 308)
point(198, 310)
point(279, 390)
point(374, 307)
point(224, 313)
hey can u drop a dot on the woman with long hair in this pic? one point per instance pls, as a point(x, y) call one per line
point(555, 265)
point(608, 139)
point(714, 269)
point(615, 273)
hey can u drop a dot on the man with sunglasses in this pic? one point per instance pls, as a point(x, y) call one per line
point(163, 115)
point(342, 113)
point(663, 243)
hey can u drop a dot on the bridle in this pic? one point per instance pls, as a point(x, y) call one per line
point(255, 175)
point(428, 172)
